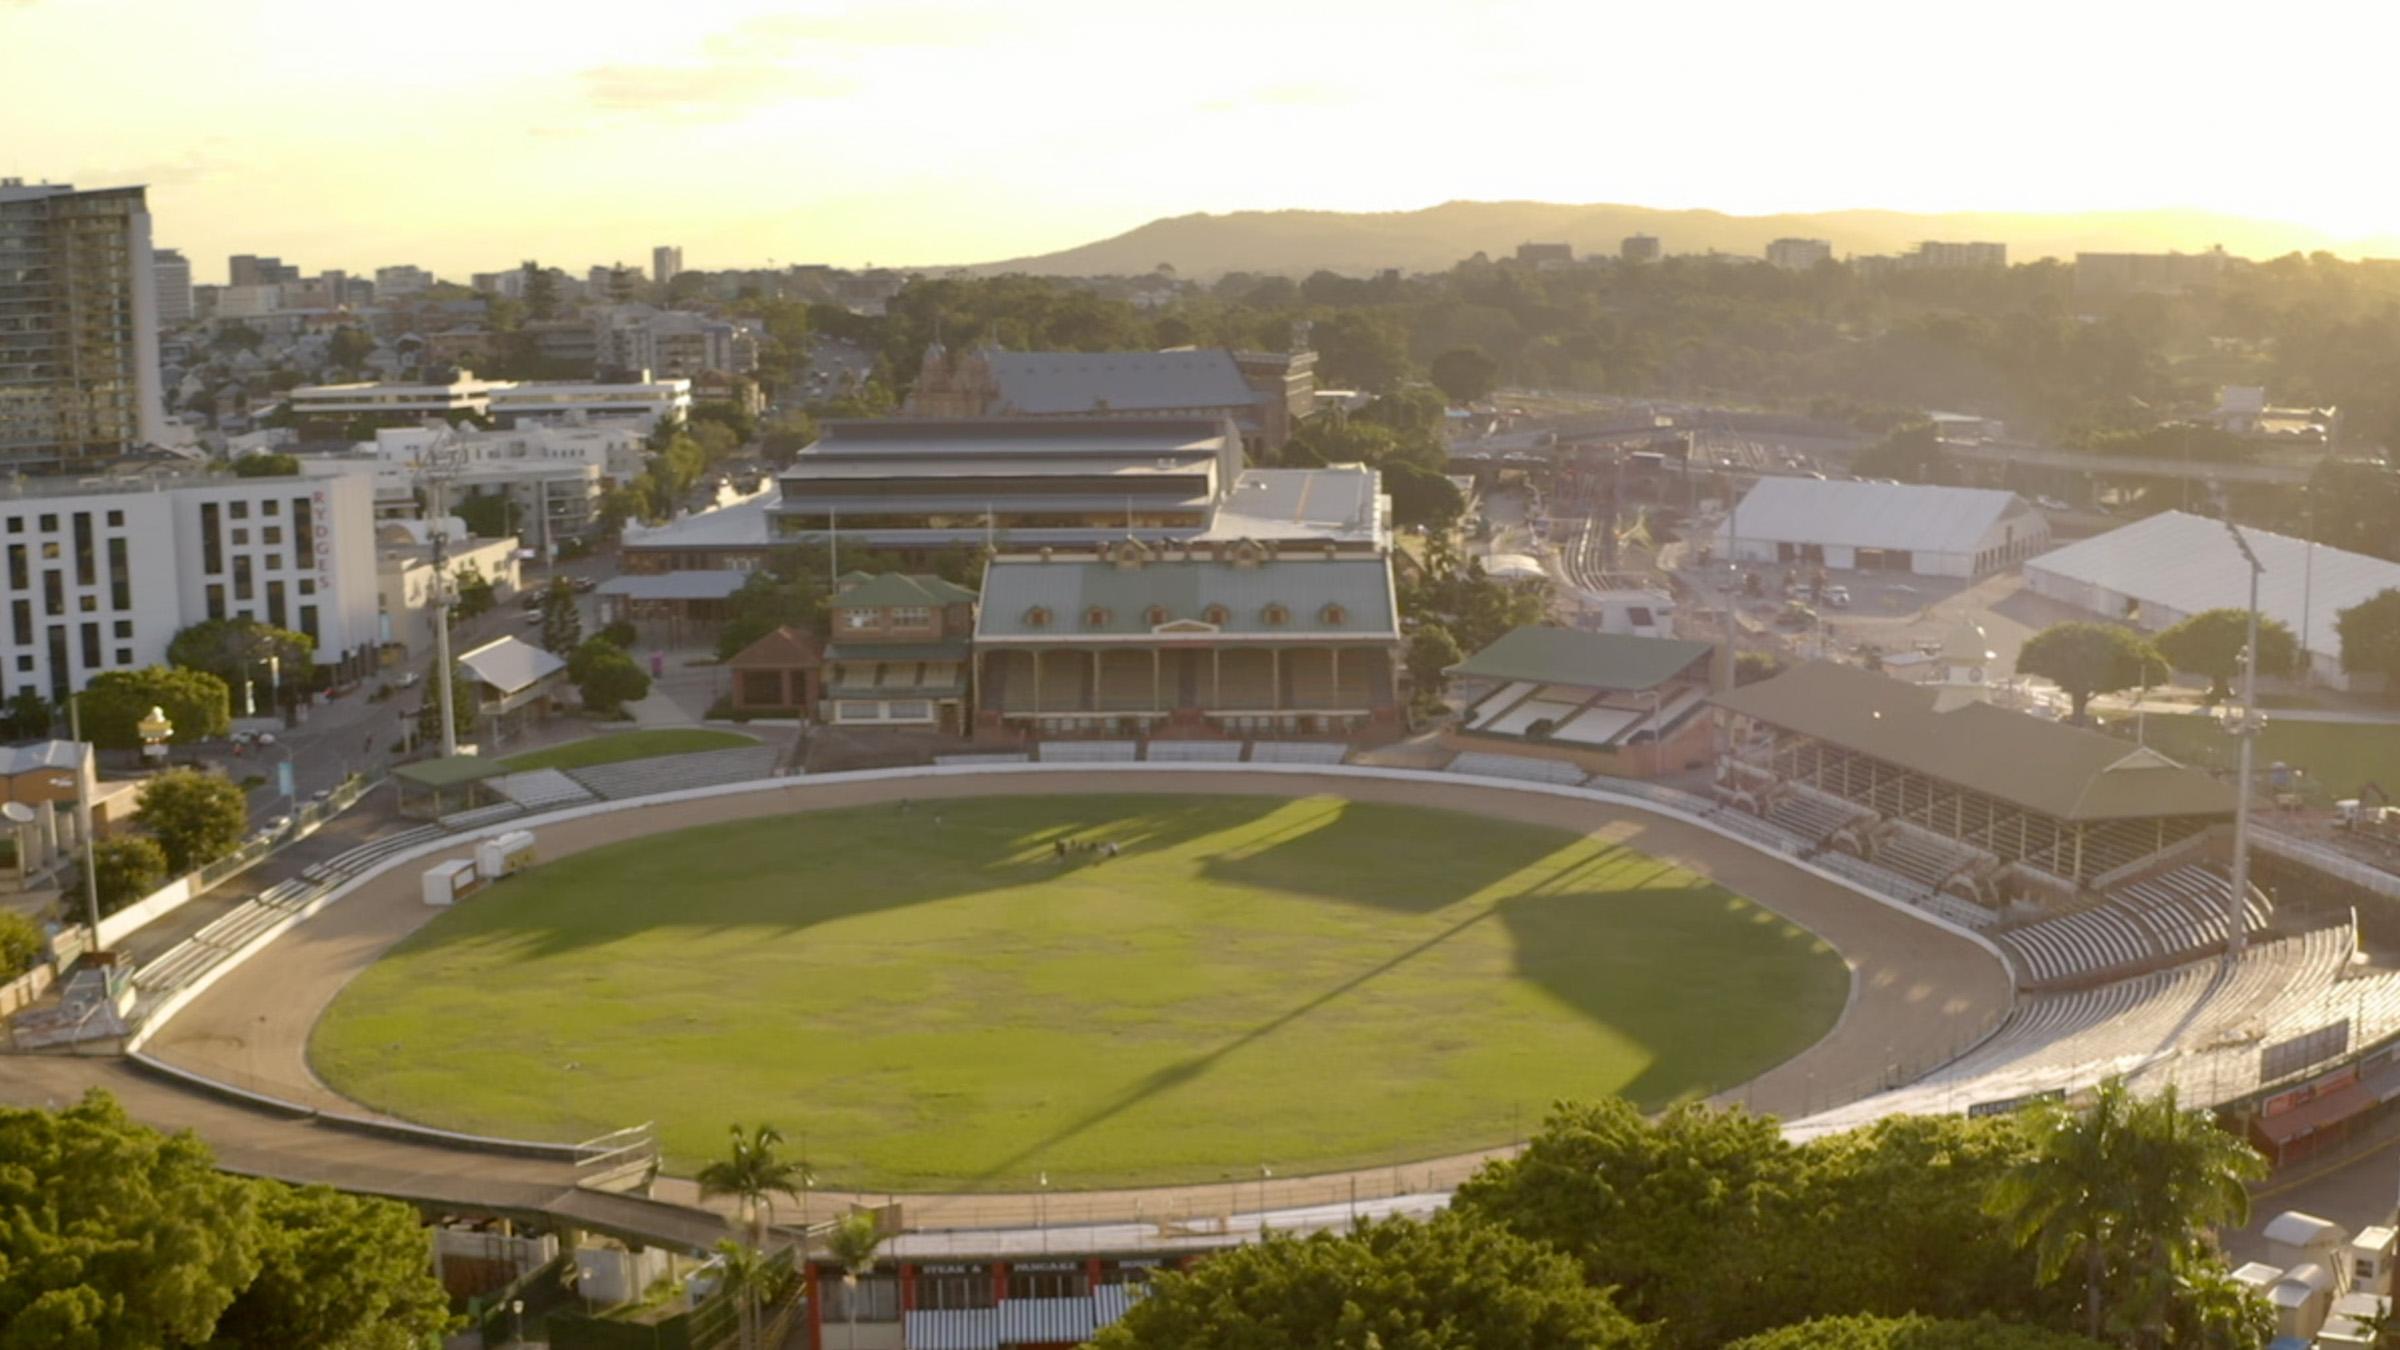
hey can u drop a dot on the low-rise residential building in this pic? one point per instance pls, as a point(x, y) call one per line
point(1798, 255)
point(553, 474)
point(334, 410)
point(405, 576)
point(675, 343)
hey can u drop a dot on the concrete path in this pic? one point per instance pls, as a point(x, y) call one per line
point(1919, 994)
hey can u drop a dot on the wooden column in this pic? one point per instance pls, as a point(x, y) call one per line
point(1037, 681)
point(1091, 701)
point(1157, 696)
point(1275, 678)
point(1336, 654)
point(1216, 678)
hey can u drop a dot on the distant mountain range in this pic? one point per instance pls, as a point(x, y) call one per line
point(1299, 242)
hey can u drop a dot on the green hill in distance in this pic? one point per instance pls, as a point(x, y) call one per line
point(1298, 242)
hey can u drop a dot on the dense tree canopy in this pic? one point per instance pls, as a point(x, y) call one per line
point(197, 817)
point(2211, 643)
point(2370, 633)
point(2084, 659)
point(235, 650)
point(1454, 1283)
point(1910, 1333)
point(116, 701)
point(607, 678)
point(339, 1271)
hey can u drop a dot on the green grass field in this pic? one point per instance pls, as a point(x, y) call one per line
point(610, 747)
point(1306, 984)
point(2335, 757)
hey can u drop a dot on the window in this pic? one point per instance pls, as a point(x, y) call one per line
point(24, 663)
point(1023, 1283)
point(908, 710)
point(1334, 616)
point(120, 575)
point(216, 599)
point(87, 558)
point(308, 621)
point(911, 616)
point(54, 593)
point(1216, 615)
point(20, 572)
point(273, 534)
point(89, 604)
point(275, 613)
point(242, 588)
point(1155, 615)
point(856, 619)
point(1096, 617)
point(877, 1297)
point(123, 628)
point(91, 646)
point(308, 585)
point(952, 1290)
point(116, 520)
point(304, 533)
point(1037, 617)
point(49, 524)
point(212, 544)
point(241, 511)
point(50, 550)
point(241, 536)
point(20, 614)
point(16, 524)
point(1640, 615)
point(270, 507)
point(124, 656)
point(1275, 614)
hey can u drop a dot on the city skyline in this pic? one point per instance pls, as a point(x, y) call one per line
point(850, 134)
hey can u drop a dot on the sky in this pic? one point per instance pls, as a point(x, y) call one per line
point(469, 136)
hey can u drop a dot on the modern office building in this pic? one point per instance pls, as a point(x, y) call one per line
point(1935, 253)
point(103, 579)
point(338, 410)
point(1798, 255)
point(666, 261)
point(174, 274)
point(79, 372)
point(401, 282)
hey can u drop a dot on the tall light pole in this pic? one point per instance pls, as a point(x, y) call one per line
point(2237, 934)
point(437, 463)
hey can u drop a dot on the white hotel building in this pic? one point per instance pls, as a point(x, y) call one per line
point(97, 579)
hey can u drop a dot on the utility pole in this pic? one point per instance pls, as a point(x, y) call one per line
point(2236, 904)
point(83, 814)
point(436, 468)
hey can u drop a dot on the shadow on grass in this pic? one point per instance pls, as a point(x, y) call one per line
point(1429, 869)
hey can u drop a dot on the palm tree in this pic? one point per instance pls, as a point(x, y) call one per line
point(745, 1276)
point(2129, 1184)
point(853, 1243)
point(2066, 1200)
point(755, 1172)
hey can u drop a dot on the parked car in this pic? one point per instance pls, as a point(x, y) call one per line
point(1837, 596)
point(406, 679)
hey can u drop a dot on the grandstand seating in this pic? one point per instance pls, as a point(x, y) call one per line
point(1922, 858)
point(1759, 831)
point(1524, 767)
point(1194, 752)
point(1809, 815)
point(674, 773)
point(476, 817)
point(539, 789)
point(2176, 915)
point(1491, 709)
point(1297, 752)
point(1088, 752)
point(966, 761)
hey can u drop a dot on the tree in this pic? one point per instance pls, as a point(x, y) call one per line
point(2125, 1190)
point(1362, 349)
point(754, 1171)
point(607, 677)
point(117, 1235)
point(1464, 374)
point(349, 347)
point(744, 1277)
point(791, 596)
point(462, 708)
point(1751, 667)
point(786, 434)
point(196, 817)
point(541, 291)
point(472, 594)
point(128, 866)
point(1422, 497)
point(487, 515)
point(562, 626)
point(1449, 1283)
point(2210, 643)
point(618, 633)
point(27, 716)
point(717, 440)
point(1910, 1333)
point(852, 1244)
point(621, 504)
point(267, 465)
point(115, 702)
point(335, 1270)
point(2370, 633)
point(21, 944)
point(1911, 454)
point(239, 651)
point(2084, 659)
point(1431, 653)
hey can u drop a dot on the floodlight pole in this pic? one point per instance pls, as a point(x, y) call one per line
point(2237, 935)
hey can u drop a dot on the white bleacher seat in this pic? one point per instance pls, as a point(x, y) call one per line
point(969, 761)
point(1194, 752)
point(1523, 767)
point(675, 773)
point(1298, 752)
point(1493, 707)
point(1088, 752)
point(540, 789)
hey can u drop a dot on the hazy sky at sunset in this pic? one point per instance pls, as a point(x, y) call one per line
point(470, 135)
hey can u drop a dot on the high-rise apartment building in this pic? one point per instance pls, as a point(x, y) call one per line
point(174, 273)
point(78, 325)
point(1938, 253)
point(1639, 248)
point(666, 261)
point(401, 282)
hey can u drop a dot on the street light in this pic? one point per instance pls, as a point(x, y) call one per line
point(2237, 929)
point(155, 730)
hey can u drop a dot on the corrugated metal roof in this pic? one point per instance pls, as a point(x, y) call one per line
point(885, 589)
point(1909, 516)
point(739, 525)
point(1186, 589)
point(1339, 502)
point(2189, 564)
point(1590, 660)
point(2068, 772)
point(1075, 382)
point(708, 584)
point(511, 664)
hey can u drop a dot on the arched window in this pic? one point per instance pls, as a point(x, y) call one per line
point(1275, 614)
point(1334, 616)
point(1216, 615)
point(1096, 617)
point(1155, 615)
point(1037, 617)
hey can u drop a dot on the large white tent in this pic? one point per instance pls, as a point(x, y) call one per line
point(2160, 571)
point(1901, 527)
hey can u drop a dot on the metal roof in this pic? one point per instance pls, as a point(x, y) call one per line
point(1907, 516)
point(2189, 564)
point(705, 584)
point(16, 759)
point(1339, 502)
point(886, 589)
point(2058, 770)
point(1080, 382)
point(743, 524)
point(892, 437)
point(511, 664)
point(1186, 589)
point(1618, 661)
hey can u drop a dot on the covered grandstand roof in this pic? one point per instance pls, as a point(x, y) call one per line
point(1066, 599)
point(1591, 660)
point(1912, 517)
point(2189, 564)
point(2067, 772)
point(1082, 382)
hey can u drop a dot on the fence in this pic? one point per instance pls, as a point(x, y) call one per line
point(2333, 863)
point(26, 989)
point(114, 928)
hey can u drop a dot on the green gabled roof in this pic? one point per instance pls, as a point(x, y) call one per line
point(451, 772)
point(894, 589)
point(1594, 660)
